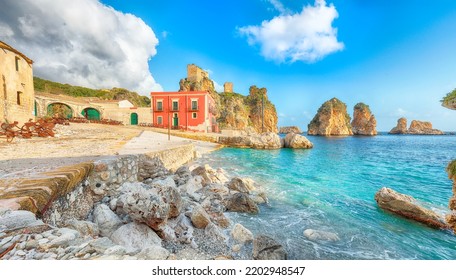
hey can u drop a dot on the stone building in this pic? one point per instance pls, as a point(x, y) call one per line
point(16, 78)
point(195, 74)
point(228, 87)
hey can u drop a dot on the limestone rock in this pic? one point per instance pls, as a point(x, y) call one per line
point(182, 175)
point(244, 185)
point(331, 119)
point(266, 248)
point(153, 253)
point(406, 206)
point(83, 227)
point(106, 220)
point(151, 168)
point(423, 128)
point(13, 220)
point(241, 234)
point(215, 234)
point(267, 141)
point(296, 141)
point(290, 129)
point(241, 202)
point(318, 235)
point(135, 236)
point(199, 217)
point(364, 122)
point(401, 127)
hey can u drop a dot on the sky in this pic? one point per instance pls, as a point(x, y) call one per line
point(396, 56)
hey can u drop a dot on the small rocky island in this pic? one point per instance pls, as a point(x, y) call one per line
point(364, 122)
point(416, 128)
point(331, 119)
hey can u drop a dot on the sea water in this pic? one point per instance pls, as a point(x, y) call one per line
point(332, 186)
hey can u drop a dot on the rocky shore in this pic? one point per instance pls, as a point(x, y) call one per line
point(165, 215)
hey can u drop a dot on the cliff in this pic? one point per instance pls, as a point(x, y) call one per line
point(451, 218)
point(331, 119)
point(364, 122)
point(77, 91)
point(449, 101)
point(290, 129)
point(233, 110)
point(416, 128)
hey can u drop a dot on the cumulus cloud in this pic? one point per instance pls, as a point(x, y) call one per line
point(306, 36)
point(81, 42)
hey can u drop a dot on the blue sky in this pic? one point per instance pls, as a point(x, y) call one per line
point(396, 56)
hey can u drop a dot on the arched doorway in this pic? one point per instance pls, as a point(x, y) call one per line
point(59, 110)
point(91, 114)
point(134, 119)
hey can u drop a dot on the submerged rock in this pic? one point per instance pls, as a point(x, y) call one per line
point(364, 122)
point(331, 119)
point(296, 141)
point(406, 206)
point(266, 248)
point(319, 235)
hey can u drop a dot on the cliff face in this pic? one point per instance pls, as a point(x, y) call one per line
point(331, 119)
point(416, 127)
point(233, 110)
point(364, 122)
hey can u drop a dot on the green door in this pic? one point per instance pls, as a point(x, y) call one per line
point(134, 119)
point(91, 114)
point(175, 121)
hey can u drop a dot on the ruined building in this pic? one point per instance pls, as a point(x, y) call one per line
point(16, 79)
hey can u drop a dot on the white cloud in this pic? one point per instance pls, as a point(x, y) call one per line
point(218, 87)
point(279, 6)
point(82, 42)
point(307, 36)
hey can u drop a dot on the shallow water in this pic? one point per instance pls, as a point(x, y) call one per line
point(332, 186)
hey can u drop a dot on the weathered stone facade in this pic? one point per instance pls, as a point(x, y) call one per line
point(228, 87)
point(16, 79)
point(195, 74)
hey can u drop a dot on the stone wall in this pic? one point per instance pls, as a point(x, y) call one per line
point(16, 86)
point(175, 157)
point(195, 73)
point(228, 87)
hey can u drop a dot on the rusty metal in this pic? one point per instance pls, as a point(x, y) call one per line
point(40, 128)
point(102, 121)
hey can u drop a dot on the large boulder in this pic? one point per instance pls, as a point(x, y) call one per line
point(209, 175)
point(364, 122)
point(331, 119)
point(406, 206)
point(401, 127)
point(266, 248)
point(199, 217)
point(423, 128)
point(19, 219)
point(289, 129)
point(151, 168)
point(244, 185)
point(134, 236)
point(241, 234)
point(106, 220)
point(266, 141)
point(241, 202)
point(296, 141)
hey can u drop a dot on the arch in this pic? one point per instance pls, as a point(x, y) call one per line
point(61, 110)
point(91, 114)
point(134, 119)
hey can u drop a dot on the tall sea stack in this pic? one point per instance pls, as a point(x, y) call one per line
point(331, 119)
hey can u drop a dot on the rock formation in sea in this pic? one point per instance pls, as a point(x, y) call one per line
point(234, 111)
point(401, 127)
point(264, 141)
point(451, 217)
point(297, 141)
point(290, 129)
point(407, 207)
point(364, 122)
point(331, 119)
point(416, 128)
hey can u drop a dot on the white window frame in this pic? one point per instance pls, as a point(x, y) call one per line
point(194, 115)
point(159, 120)
point(156, 105)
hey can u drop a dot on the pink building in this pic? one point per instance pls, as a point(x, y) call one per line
point(185, 110)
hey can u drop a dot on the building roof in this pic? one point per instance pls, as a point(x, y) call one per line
point(178, 92)
point(5, 46)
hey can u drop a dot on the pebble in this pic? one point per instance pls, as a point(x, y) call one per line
point(21, 246)
point(31, 244)
point(38, 237)
point(20, 253)
point(43, 241)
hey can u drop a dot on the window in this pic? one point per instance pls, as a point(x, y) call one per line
point(175, 105)
point(159, 105)
point(194, 104)
point(17, 63)
point(19, 98)
point(160, 120)
point(194, 115)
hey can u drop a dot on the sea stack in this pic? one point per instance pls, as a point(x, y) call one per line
point(364, 122)
point(401, 127)
point(331, 119)
point(416, 128)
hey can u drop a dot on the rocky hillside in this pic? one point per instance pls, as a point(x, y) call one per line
point(331, 119)
point(77, 91)
point(234, 110)
point(449, 101)
point(364, 122)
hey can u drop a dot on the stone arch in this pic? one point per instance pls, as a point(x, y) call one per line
point(91, 113)
point(59, 109)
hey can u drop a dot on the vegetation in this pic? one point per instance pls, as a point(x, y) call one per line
point(332, 105)
point(450, 100)
point(451, 169)
point(362, 107)
point(77, 91)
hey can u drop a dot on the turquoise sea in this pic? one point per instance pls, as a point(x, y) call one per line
point(332, 186)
